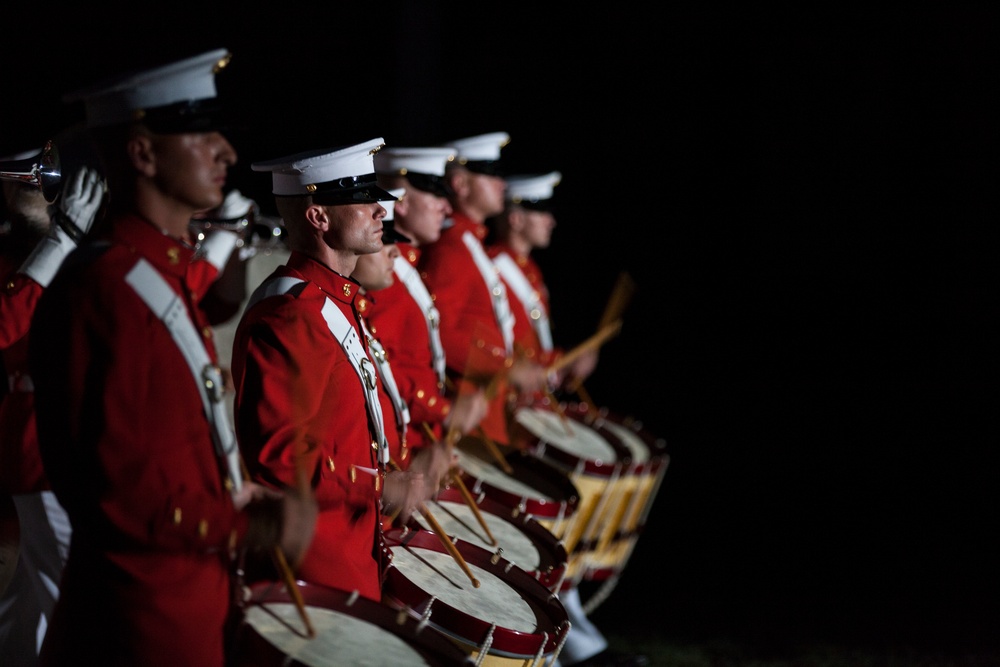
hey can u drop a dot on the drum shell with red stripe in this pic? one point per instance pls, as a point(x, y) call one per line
point(427, 599)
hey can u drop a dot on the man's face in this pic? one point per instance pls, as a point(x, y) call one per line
point(421, 214)
point(374, 271)
point(538, 226)
point(191, 167)
point(355, 229)
point(487, 192)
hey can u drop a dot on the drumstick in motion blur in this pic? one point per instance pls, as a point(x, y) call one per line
point(456, 479)
point(278, 556)
point(603, 335)
point(495, 451)
point(448, 544)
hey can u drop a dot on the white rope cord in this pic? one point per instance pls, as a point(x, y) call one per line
point(487, 644)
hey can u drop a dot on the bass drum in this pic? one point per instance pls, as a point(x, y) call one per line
point(520, 540)
point(349, 630)
point(508, 619)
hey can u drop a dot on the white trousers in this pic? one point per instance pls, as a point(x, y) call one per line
point(584, 640)
point(27, 603)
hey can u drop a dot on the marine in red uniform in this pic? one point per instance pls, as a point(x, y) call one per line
point(131, 427)
point(307, 389)
point(33, 248)
point(526, 224)
point(375, 273)
point(403, 314)
point(477, 325)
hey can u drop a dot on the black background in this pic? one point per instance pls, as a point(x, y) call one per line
point(806, 202)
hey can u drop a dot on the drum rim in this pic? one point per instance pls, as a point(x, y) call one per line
point(505, 641)
point(553, 559)
point(535, 506)
point(529, 441)
point(435, 648)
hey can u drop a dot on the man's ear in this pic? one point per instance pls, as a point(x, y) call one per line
point(318, 217)
point(141, 154)
point(459, 182)
point(516, 219)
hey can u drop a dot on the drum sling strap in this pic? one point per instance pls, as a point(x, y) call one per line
point(498, 292)
point(349, 341)
point(533, 306)
point(410, 278)
point(389, 383)
point(169, 307)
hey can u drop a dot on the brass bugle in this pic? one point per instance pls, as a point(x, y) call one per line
point(256, 231)
point(41, 171)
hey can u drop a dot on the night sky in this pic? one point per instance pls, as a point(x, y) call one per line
point(802, 199)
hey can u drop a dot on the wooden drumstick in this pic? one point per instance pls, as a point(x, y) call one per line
point(293, 589)
point(495, 451)
point(456, 477)
point(585, 397)
point(448, 544)
point(620, 297)
point(281, 563)
point(602, 336)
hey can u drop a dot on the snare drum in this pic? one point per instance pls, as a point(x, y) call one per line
point(534, 487)
point(639, 486)
point(509, 619)
point(350, 630)
point(593, 459)
point(520, 539)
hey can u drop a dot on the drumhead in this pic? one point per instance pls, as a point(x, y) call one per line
point(510, 613)
point(535, 486)
point(346, 627)
point(521, 540)
point(569, 439)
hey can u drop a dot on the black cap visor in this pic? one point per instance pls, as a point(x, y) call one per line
point(391, 235)
point(435, 185)
point(486, 167)
point(350, 190)
point(208, 115)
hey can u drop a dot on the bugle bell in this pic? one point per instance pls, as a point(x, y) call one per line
point(41, 170)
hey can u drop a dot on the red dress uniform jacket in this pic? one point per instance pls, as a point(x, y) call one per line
point(297, 392)
point(21, 468)
point(401, 325)
point(128, 450)
point(471, 336)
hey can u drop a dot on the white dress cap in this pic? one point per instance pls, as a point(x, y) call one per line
point(130, 97)
point(429, 160)
point(531, 189)
point(346, 174)
point(480, 148)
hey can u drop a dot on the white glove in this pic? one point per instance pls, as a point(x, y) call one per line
point(72, 217)
point(234, 206)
